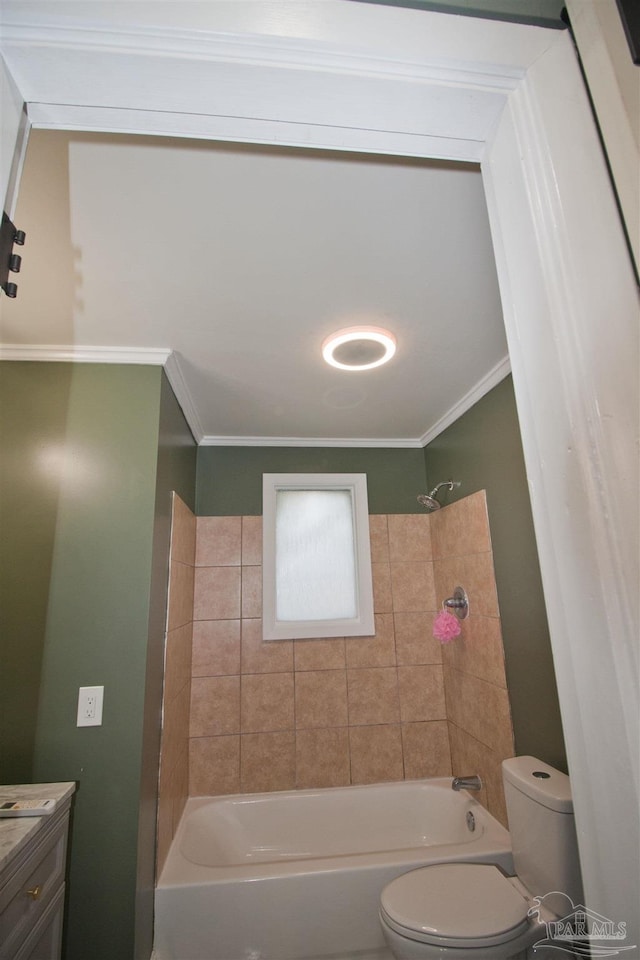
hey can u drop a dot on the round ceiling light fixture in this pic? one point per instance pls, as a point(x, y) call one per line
point(359, 348)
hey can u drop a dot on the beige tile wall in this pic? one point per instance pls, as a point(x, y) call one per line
point(314, 713)
point(478, 712)
point(174, 755)
point(330, 712)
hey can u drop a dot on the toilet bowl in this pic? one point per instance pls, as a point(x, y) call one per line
point(472, 911)
point(457, 911)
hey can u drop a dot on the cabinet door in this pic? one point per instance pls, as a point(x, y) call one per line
point(37, 878)
point(44, 941)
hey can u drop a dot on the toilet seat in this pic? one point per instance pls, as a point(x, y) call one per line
point(455, 905)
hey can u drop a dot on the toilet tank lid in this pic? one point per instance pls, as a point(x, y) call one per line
point(538, 780)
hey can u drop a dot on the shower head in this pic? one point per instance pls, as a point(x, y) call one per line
point(429, 501)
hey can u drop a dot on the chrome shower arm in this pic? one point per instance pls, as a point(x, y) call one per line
point(449, 484)
point(429, 500)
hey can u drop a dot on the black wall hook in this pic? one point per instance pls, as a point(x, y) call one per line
point(10, 262)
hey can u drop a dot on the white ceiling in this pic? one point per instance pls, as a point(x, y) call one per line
point(242, 259)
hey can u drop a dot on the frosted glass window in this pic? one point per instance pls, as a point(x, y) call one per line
point(316, 569)
point(315, 560)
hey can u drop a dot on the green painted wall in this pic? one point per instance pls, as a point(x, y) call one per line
point(33, 408)
point(483, 450)
point(229, 479)
point(96, 633)
point(89, 454)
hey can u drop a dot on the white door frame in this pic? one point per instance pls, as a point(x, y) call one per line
point(14, 134)
point(328, 73)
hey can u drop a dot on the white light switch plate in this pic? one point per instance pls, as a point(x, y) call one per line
point(90, 706)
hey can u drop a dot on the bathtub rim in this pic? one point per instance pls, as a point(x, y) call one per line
point(493, 845)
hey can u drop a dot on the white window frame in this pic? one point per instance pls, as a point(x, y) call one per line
point(363, 624)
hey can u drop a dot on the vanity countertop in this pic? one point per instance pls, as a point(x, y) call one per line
point(15, 832)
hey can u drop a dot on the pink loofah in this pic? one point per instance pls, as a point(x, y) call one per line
point(446, 627)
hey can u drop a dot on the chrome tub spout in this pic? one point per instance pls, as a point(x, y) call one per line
point(466, 783)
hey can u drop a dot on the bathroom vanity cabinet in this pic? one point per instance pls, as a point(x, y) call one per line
point(33, 853)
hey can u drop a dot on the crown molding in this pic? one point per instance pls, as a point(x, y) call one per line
point(169, 360)
point(75, 354)
point(182, 393)
point(482, 387)
point(210, 441)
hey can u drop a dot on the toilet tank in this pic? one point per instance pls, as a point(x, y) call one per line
point(542, 828)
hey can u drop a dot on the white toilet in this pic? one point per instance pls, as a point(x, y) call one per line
point(472, 911)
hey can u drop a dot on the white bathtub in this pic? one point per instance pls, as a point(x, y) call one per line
point(297, 875)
